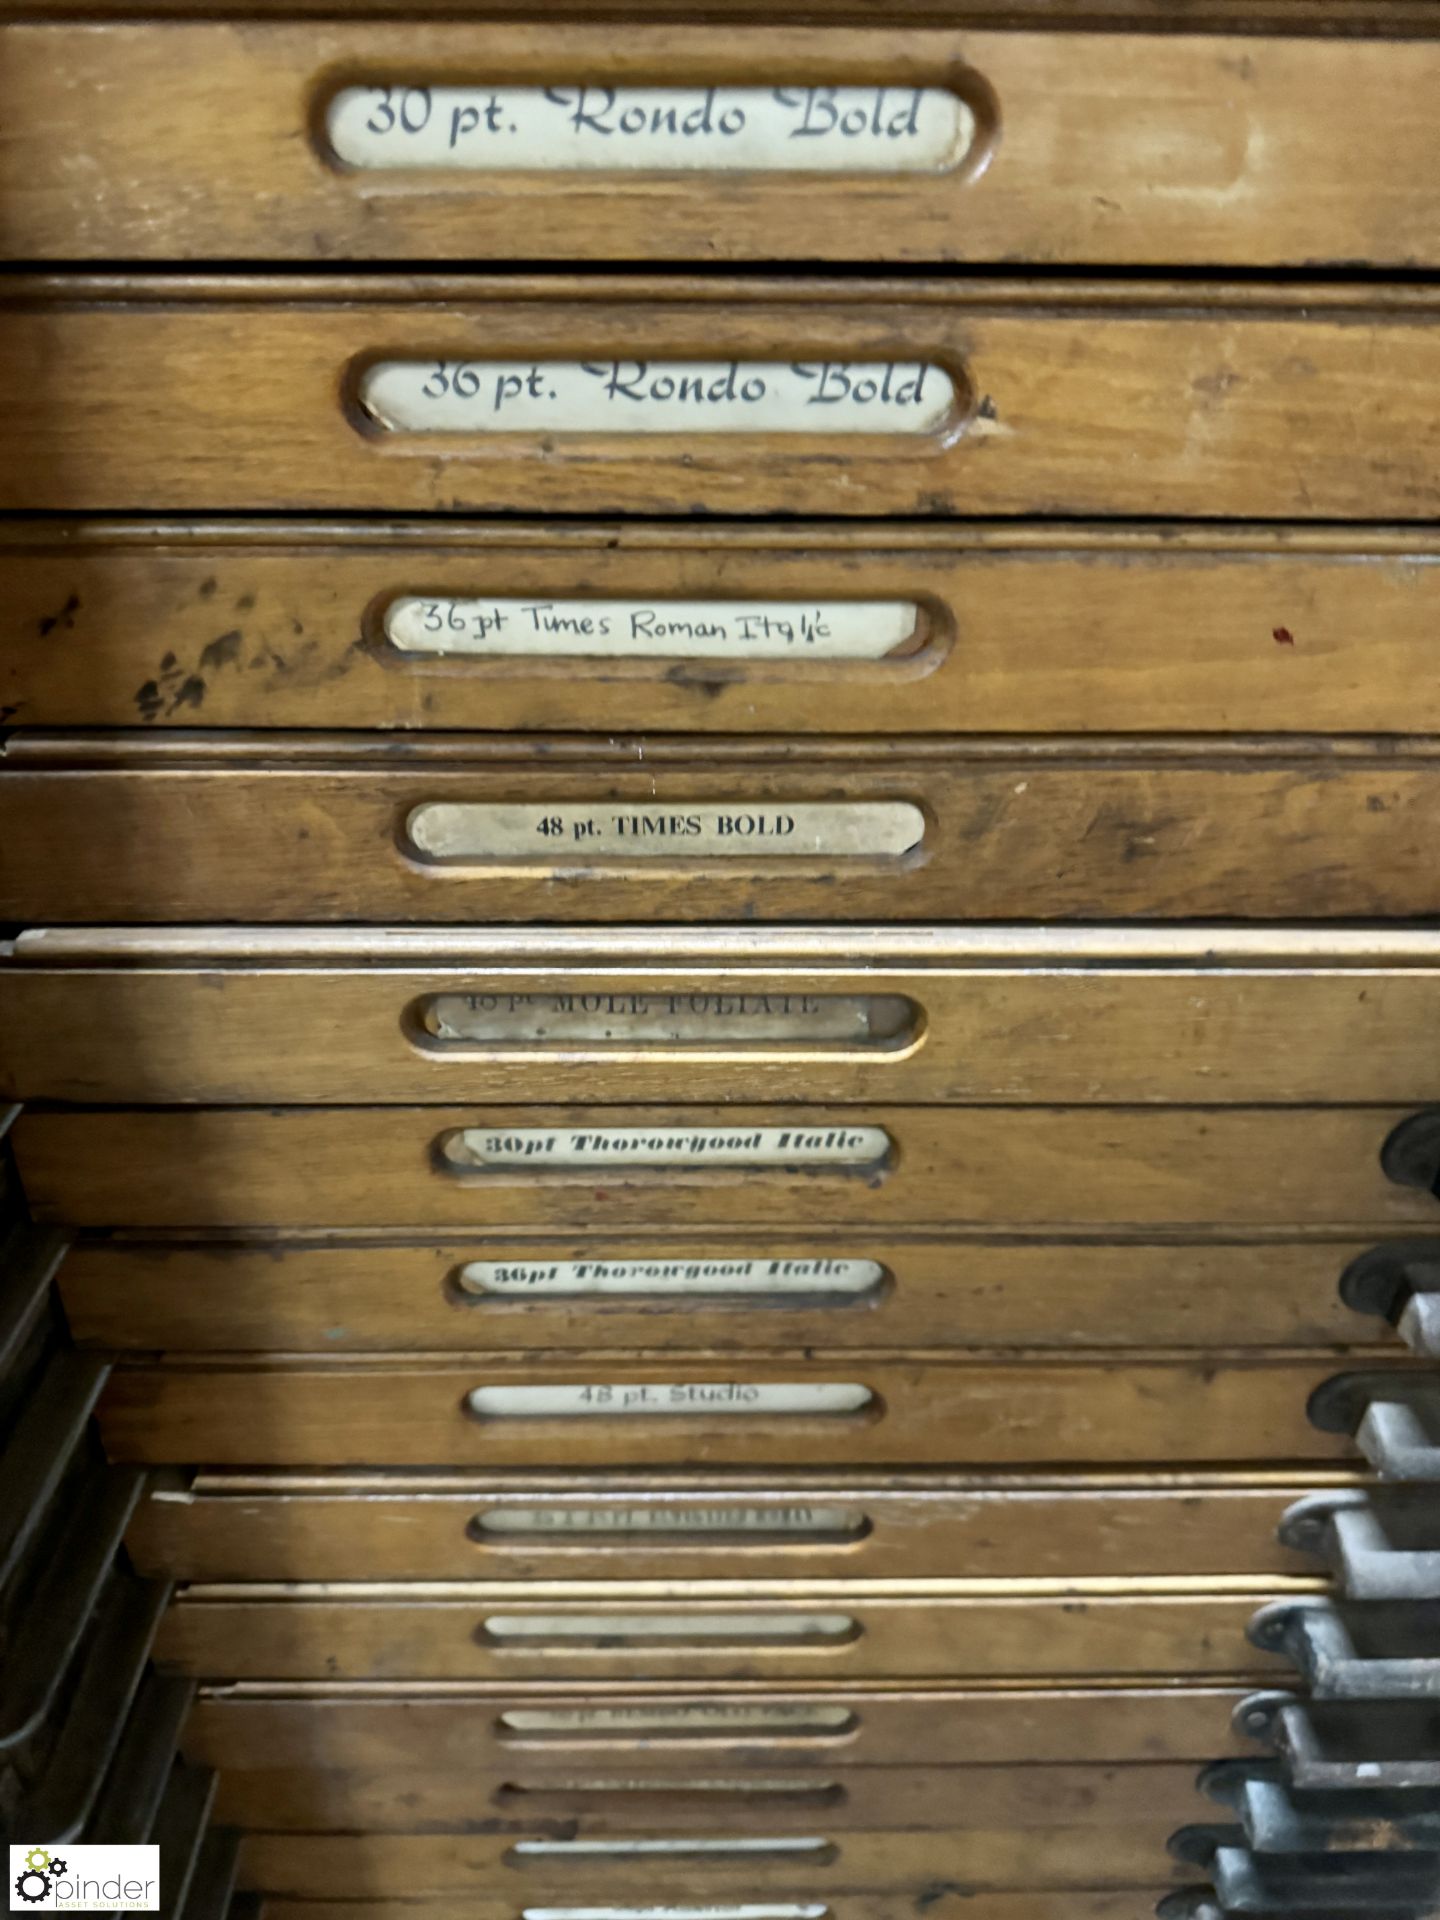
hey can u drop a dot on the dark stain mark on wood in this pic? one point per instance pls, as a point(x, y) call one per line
point(190, 693)
point(207, 587)
point(987, 410)
point(223, 650)
point(148, 699)
point(245, 603)
point(64, 618)
point(1283, 637)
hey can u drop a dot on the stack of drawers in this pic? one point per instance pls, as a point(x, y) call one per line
point(720, 937)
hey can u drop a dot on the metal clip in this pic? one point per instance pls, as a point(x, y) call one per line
point(1275, 1819)
point(1394, 1418)
point(1354, 1883)
point(1386, 1650)
point(179, 1830)
point(1339, 1746)
point(1381, 1544)
point(126, 1808)
point(1399, 1282)
point(213, 1885)
point(1411, 1155)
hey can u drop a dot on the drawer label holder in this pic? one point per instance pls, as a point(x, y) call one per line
point(558, 833)
point(504, 1149)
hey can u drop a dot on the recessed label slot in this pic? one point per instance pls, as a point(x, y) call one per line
point(484, 1149)
point(624, 1017)
point(578, 126)
point(582, 1850)
point(718, 1719)
point(650, 396)
point(780, 1910)
point(617, 833)
point(698, 1523)
point(616, 1631)
point(665, 1279)
point(703, 1399)
point(651, 629)
point(665, 1787)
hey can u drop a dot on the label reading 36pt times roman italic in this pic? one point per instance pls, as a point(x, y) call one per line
point(656, 396)
point(617, 1148)
point(554, 833)
point(588, 128)
point(651, 629)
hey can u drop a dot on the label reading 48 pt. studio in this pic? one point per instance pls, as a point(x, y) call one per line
point(554, 833)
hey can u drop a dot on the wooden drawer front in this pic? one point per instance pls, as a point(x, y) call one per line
point(724, 629)
point(935, 1412)
point(360, 1295)
point(931, 398)
point(1220, 150)
point(615, 1757)
point(251, 831)
point(838, 1631)
point(1186, 1019)
point(870, 1168)
point(295, 1526)
point(1128, 1850)
point(951, 1903)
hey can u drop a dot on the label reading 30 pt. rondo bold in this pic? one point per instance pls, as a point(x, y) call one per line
point(588, 128)
point(554, 833)
point(651, 629)
point(506, 1148)
point(656, 396)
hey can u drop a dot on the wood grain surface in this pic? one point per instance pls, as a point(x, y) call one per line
point(203, 140)
point(937, 1410)
point(250, 828)
point(973, 1166)
point(1026, 628)
point(188, 394)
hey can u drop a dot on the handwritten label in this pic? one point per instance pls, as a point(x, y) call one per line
point(801, 1522)
point(587, 128)
point(627, 1017)
point(626, 1849)
point(652, 629)
point(641, 1398)
point(656, 396)
point(693, 1625)
point(550, 1279)
point(793, 1717)
point(556, 833)
point(622, 1147)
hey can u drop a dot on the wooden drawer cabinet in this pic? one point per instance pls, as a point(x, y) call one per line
point(836, 1631)
point(258, 830)
point(905, 629)
point(932, 398)
point(618, 1755)
point(450, 140)
point(957, 1902)
point(247, 1017)
point(873, 1168)
point(688, 1526)
point(361, 1293)
point(780, 1410)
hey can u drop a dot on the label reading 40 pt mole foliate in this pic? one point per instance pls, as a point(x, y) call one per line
point(507, 1148)
point(553, 833)
point(656, 396)
point(588, 128)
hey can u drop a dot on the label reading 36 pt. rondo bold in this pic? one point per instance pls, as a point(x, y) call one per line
point(553, 833)
point(612, 1148)
point(656, 396)
point(589, 128)
point(651, 629)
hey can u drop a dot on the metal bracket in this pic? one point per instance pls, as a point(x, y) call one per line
point(125, 1811)
point(1358, 1883)
point(40, 1447)
point(1380, 1544)
point(1275, 1819)
point(1341, 1746)
point(215, 1872)
point(1399, 1282)
point(1387, 1650)
point(28, 1260)
point(1394, 1419)
point(179, 1830)
point(1411, 1155)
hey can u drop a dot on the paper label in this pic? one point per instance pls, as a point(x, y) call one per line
point(580, 127)
point(708, 1399)
point(558, 833)
point(625, 1849)
point(787, 1910)
point(685, 1717)
point(660, 1147)
point(532, 1279)
point(628, 1016)
point(686, 397)
point(801, 1522)
point(652, 629)
point(694, 1625)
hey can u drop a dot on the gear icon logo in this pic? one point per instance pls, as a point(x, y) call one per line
point(33, 1884)
point(57, 1866)
point(37, 1860)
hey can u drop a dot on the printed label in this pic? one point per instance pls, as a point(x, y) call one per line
point(611, 1627)
point(530, 1279)
point(624, 1849)
point(589, 128)
point(656, 396)
point(787, 1910)
point(710, 1399)
point(652, 629)
point(799, 1522)
point(683, 1146)
point(557, 833)
point(718, 1717)
point(620, 1016)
